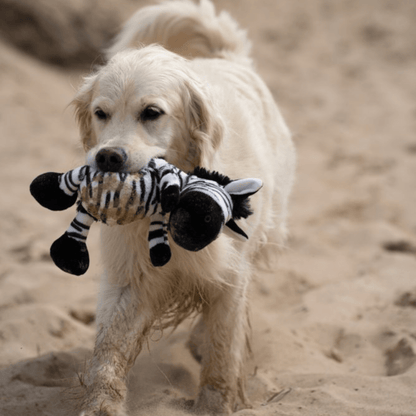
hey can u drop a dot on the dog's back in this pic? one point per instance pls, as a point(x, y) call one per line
point(188, 29)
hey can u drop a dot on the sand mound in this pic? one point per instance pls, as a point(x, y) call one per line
point(63, 32)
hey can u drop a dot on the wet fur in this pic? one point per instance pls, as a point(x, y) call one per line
point(218, 114)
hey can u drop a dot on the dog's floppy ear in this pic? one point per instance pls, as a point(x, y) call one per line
point(202, 130)
point(82, 103)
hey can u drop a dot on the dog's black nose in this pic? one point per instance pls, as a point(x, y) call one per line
point(111, 159)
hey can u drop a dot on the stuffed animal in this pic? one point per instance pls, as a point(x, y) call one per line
point(200, 205)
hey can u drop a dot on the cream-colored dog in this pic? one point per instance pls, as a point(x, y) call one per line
point(195, 100)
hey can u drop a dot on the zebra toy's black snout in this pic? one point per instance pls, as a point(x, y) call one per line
point(111, 159)
point(196, 221)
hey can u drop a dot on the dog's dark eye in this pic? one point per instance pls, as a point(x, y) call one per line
point(151, 113)
point(100, 114)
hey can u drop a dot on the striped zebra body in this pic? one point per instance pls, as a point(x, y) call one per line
point(117, 198)
point(114, 198)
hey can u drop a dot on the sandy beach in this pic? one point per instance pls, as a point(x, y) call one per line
point(334, 314)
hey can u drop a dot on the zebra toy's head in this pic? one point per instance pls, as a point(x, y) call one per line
point(209, 202)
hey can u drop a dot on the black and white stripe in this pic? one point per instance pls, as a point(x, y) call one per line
point(80, 225)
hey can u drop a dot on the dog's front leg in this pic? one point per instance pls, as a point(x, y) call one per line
point(224, 351)
point(122, 326)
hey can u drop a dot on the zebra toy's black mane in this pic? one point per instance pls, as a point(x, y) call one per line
point(203, 173)
point(241, 203)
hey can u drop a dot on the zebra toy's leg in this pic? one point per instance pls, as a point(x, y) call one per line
point(171, 181)
point(169, 197)
point(158, 240)
point(69, 182)
point(69, 252)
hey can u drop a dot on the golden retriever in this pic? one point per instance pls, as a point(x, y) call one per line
point(179, 83)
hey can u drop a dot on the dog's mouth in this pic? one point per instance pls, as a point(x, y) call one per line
point(115, 159)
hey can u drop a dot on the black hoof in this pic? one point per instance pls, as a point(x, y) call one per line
point(70, 255)
point(45, 189)
point(160, 255)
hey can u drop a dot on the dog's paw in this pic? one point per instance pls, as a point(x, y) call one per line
point(107, 408)
point(212, 401)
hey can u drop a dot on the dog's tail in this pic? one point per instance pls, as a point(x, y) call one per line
point(188, 29)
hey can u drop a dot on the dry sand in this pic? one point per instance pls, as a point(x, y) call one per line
point(334, 319)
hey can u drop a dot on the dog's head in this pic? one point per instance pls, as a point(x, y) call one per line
point(145, 103)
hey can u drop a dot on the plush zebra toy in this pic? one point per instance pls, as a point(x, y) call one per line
point(200, 204)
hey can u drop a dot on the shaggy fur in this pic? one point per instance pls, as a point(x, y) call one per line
point(212, 110)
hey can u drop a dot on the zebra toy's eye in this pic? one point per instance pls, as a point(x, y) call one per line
point(207, 218)
point(100, 114)
point(151, 113)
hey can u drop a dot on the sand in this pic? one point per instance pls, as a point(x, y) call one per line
point(334, 316)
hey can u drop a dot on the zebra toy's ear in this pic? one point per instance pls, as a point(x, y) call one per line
point(240, 190)
point(233, 230)
point(46, 190)
point(244, 187)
